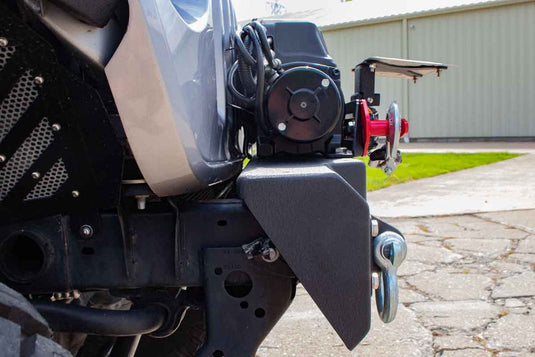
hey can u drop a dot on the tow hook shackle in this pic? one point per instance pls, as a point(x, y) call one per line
point(389, 251)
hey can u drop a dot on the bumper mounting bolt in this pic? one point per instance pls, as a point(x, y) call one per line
point(375, 281)
point(86, 231)
point(375, 228)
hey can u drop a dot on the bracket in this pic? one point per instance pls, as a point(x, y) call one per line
point(245, 298)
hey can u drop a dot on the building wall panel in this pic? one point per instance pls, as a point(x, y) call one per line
point(351, 46)
point(489, 90)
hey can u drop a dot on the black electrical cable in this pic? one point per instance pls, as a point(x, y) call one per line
point(240, 46)
point(243, 66)
point(245, 71)
point(260, 80)
point(266, 49)
point(235, 92)
point(253, 54)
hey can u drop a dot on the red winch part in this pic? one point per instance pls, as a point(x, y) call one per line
point(376, 127)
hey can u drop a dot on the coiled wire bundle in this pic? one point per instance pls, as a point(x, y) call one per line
point(254, 68)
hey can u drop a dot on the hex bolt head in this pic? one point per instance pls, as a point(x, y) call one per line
point(75, 194)
point(86, 231)
point(39, 80)
point(36, 175)
point(3, 42)
point(281, 127)
point(2, 158)
point(375, 228)
point(56, 127)
point(271, 255)
point(141, 202)
point(325, 82)
point(375, 281)
point(370, 100)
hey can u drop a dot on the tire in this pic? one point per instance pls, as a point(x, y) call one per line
point(23, 331)
point(183, 343)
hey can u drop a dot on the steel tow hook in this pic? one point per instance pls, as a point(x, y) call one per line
point(389, 251)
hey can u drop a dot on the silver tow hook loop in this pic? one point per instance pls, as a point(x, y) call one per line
point(389, 251)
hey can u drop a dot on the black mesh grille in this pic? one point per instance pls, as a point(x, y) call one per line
point(6, 53)
point(50, 183)
point(23, 93)
point(58, 151)
point(30, 150)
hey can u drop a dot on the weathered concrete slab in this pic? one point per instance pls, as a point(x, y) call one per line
point(414, 268)
point(431, 255)
point(521, 219)
point(513, 332)
point(455, 342)
point(479, 247)
point(470, 227)
point(449, 286)
point(458, 315)
point(516, 286)
point(467, 352)
point(527, 245)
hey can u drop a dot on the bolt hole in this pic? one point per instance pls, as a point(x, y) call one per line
point(238, 284)
point(244, 304)
point(260, 313)
point(218, 271)
point(222, 223)
point(218, 353)
point(88, 251)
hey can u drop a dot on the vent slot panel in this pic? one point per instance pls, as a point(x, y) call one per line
point(30, 150)
point(50, 183)
point(23, 93)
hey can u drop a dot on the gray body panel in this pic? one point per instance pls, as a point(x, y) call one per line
point(168, 80)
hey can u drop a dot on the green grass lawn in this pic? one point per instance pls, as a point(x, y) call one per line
point(417, 166)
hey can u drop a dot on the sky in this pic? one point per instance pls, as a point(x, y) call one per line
point(248, 9)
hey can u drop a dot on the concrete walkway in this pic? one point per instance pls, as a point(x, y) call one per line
point(505, 185)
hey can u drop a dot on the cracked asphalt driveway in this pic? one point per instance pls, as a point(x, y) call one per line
point(467, 289)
